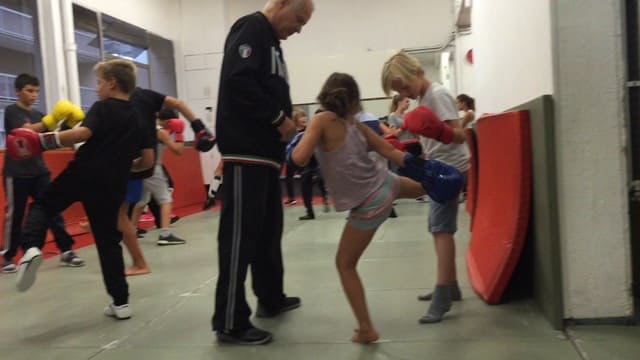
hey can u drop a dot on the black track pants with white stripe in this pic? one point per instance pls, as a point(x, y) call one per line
point(250, 234)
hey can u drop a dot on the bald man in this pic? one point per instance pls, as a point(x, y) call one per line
point(253, 126)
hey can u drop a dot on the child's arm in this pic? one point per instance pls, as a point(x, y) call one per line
point(144, 162)
point(74, 136)
point(381, 146)
point(302, 152)
point(175, 147)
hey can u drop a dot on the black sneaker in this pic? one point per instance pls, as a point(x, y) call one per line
point(307, 217)
point(250, 336)
point(289, 303)
point(210, 202)
point(290, 202)
point(174, 218)
point(140, 232)
point(170, 240)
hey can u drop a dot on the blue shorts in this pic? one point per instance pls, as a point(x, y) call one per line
point(375, 209)
point(134, 191)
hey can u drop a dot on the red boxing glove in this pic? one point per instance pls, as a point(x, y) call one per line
point(423, 121)
point(23, 143)
point(393, 140)
point(176, 126)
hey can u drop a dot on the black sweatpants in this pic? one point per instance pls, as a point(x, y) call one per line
point(288, 182)
point(250, 233)
point(17, 192)
point(101, 196)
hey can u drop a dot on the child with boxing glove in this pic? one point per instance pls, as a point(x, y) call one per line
point(30, 178)
point(360, 184)
point(113, 137)
point(436, 121)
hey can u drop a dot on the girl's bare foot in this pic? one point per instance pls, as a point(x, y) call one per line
point(365, 336)
point(135, 270)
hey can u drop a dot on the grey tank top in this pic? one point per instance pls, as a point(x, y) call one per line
point(351, 175)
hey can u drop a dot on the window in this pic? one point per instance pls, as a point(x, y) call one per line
point(20, 51)
point(85, 23)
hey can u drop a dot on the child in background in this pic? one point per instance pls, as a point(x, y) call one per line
point(30, 178)
point(157, 185)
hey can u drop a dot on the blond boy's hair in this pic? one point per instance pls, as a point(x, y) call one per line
point(297, 113)
point(123, 71)
point(400, 66)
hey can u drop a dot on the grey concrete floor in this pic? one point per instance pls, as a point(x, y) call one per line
point(61, 316)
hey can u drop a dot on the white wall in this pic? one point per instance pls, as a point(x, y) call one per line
point(520, 54)
point(356, 37)
point(160, 17)
point(512, 52)
point(592, 158)
point(464, 70)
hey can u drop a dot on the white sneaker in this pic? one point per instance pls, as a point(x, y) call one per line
point(121, 312)
point(28, 267)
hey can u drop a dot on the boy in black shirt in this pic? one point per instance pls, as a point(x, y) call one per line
point(29, 178)
point(112, 132)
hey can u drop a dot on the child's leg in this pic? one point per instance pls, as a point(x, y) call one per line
point(104, 212)
point(130, 239)
point(352, 245)
point(409, 189)
point(446, 252)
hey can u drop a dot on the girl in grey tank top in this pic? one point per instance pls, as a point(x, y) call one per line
point(355, 181)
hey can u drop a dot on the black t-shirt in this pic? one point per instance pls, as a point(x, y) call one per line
point(15, 117)
point(117, 138)
point(147, 103)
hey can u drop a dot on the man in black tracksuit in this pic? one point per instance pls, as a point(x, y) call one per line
point(253, 125)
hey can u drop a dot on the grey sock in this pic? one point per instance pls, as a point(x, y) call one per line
point(440, 304)
point(165, 233)
point(456, 294)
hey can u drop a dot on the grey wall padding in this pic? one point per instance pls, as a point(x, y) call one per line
point(547, 274)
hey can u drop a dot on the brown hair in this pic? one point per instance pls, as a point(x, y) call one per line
point(121, 70)
point(395, 101)
point(467, 100)
point(340, 94)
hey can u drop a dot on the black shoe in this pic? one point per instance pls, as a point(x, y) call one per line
point(393, 213)
point(170, 240)
point(210, 202)
point(140, 232)
point(307, 217)
point(174, 218)
point(289, 303)
point(250, 336)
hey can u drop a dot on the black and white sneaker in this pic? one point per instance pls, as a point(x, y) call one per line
point(121, 312)
point(28, 268)
point(170, 240)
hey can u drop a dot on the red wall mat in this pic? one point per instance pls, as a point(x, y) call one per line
point(472, 176)
point(188, 195)
point(503, 202)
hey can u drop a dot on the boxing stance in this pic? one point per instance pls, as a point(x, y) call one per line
point(362, 185)
point(24, 179)
point(112, 134)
